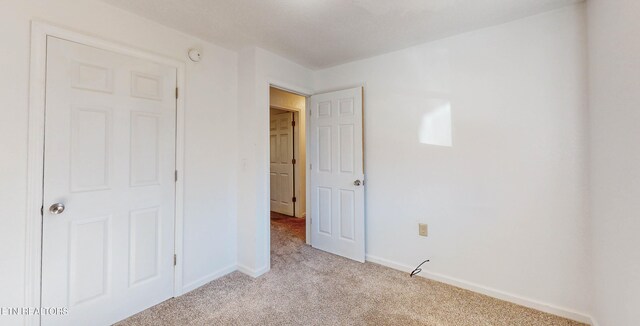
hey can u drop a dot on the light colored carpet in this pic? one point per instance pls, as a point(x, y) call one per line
point(309, 287)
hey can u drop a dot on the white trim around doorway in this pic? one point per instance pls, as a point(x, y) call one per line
point(307, 94)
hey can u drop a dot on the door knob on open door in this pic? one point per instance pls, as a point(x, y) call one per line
point(357, 183)
point(56, 208)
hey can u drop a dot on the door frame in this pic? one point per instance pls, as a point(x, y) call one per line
point(40, 31)
point(307, 94)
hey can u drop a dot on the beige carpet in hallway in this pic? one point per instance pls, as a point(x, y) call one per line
point(310, 287)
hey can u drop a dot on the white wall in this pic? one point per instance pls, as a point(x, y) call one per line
point(614, 100)
point(506, 204)
point(210, 97)
point(257, 69)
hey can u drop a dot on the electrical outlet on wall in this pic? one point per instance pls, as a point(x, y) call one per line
point(423, 230)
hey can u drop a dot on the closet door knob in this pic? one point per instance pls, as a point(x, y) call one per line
point(56, 208)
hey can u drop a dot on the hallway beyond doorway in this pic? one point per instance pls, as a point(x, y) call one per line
point(293, 226)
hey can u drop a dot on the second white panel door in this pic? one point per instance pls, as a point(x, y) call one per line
point(281, 163)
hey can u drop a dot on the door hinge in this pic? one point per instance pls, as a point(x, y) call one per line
point(310, 166)
point(293, 161)
point(294, 199)
point(293, 123)
point(176, 176)
point(176, 92)
point(42, 210)
point(175, 260)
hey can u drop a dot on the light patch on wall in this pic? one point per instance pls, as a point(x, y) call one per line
point(435, 127)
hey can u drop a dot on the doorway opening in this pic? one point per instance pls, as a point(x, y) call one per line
point(287, 161)
point(316, 172)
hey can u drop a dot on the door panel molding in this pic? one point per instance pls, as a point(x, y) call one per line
point(40, 31)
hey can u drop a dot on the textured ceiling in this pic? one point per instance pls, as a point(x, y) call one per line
point(324, 33)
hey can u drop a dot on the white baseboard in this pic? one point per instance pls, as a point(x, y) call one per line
point(222, 272)
point(530, 303)
point(253, 272)
point(208, 278)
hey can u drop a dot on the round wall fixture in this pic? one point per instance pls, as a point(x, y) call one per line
point(195, 55)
